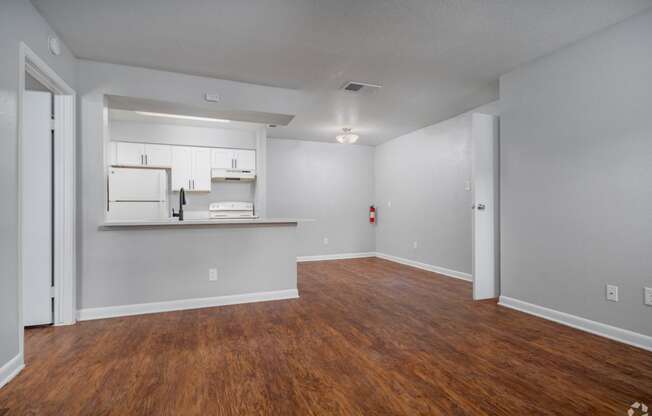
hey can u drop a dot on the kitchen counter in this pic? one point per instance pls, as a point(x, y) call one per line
point(163, 265)
point(172, 222)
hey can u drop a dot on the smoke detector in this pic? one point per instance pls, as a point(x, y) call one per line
point(354, 86)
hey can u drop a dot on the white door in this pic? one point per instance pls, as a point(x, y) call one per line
point(486, 242)
point(158, 156)
point(129, 154)
point(181, 167)
point(201, 169)
point(245, 159)
point(37, 208)
point(222, 158)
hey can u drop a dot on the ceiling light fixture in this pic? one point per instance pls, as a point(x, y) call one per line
point(217, 120)
point(347, 137)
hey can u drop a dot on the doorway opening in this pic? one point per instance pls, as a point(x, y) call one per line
point(46, 196)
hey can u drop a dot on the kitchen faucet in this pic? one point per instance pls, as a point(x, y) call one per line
point(182, 202)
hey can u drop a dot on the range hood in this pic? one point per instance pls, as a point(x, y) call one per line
point(233, 175)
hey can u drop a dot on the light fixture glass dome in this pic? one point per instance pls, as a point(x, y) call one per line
point(347, 137)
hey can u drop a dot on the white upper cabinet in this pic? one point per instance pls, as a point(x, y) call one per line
point(233, 159)
point(128, 154)
point(201, 169)
point(245, 159)
point(181, 168)
point(191, 168)
point(222, 158)
point(158, 155)
point(143, 155)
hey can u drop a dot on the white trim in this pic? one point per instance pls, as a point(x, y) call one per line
point(336, 256)
point(429, 267)
point(183, 304)
point(65, 256)
point(64, 202)
point(583, 324)
point(11, 369)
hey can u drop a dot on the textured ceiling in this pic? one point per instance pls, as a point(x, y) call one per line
point(434, 58)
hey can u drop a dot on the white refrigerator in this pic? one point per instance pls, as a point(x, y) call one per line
point(137, 194)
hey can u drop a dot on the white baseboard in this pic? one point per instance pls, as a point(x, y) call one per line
point(336, 256)
point(183, 304)
point(11, 369)
point(428, 267)
point(583, 324)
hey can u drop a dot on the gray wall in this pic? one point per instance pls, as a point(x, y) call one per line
point(139, 265)
point(576, 167)
point(423, 174)
point(328, 182)
point(19, 21)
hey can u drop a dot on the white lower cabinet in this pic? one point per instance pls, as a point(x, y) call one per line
point(191, 169)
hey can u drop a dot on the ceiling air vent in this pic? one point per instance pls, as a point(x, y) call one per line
point(353, 86)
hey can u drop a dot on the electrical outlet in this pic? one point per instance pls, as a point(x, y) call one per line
point(326, 241)
point(415, 244)
point(648, 296)
point(213, 98)
point(212, 275)
point(612, 293)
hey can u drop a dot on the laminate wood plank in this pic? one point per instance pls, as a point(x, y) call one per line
point(367, 337)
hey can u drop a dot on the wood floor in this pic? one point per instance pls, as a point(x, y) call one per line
point(367, 337)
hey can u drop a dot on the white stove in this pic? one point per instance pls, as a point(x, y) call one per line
point(231, 210)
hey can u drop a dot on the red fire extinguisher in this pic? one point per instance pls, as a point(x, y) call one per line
point(372, 214)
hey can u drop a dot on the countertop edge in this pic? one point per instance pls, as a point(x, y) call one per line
point(199, 223)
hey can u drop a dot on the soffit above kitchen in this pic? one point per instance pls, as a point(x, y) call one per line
point(433, 58)
point(134, 109)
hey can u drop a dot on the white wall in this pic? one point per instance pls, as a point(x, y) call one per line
point(19, 21)
point(423, 174)
point(331, 183)
point(576, 168)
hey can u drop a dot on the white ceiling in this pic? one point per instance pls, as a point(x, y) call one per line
point(434, 58)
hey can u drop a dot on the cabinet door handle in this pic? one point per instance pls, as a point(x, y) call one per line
point(142, 161)
point(147, 159)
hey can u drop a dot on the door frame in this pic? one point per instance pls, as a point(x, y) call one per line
point(65, 259)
